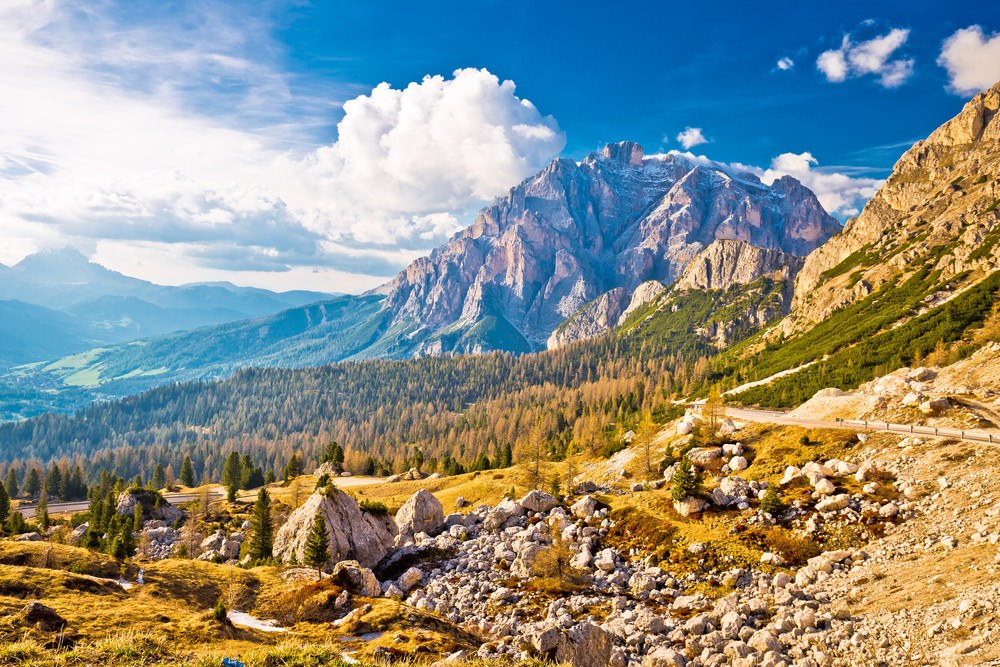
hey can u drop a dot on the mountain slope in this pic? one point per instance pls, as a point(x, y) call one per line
point(939, 206)
point(29, 332)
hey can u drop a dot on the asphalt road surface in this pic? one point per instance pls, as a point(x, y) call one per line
point(860, 425)
point(81, 505)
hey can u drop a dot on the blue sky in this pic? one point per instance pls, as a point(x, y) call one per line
point(292, 144)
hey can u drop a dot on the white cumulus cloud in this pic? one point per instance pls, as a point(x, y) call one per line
point(691, 136)
point(972, 59)
point(206, 176)
point(873, 56)
point(785, 64)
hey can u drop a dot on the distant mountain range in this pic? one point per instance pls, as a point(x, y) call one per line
point(57, 302)
point(580, 242)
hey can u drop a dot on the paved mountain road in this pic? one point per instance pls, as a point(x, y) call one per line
point(81, 505)
point(860, 425)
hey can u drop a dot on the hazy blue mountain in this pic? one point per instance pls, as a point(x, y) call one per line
point(58, 303)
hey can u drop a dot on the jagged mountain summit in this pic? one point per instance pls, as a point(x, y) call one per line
point(577, 231)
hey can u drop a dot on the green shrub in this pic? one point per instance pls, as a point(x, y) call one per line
point(374, 507)
point(220, 613)
point(771, 503)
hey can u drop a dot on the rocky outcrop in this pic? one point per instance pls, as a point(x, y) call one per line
point(725, 263)
point(938, 207)
point(576, 231)
point(154, 506)
point(597, 317)
point(422, 513)
point(354, 534)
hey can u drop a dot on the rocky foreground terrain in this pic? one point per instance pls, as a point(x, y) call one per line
point(890, 553)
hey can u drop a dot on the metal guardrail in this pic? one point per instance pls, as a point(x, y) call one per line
point(973, 436)
point(978, 436)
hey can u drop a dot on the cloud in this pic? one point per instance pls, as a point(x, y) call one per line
point(972, 60)
point(167, 144)
point(691, 136)
point(873, 56)
point(841, 194)
point(785, 64)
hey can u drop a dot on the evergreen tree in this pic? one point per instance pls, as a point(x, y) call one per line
point(334, 454)
point(33, 484)
point(137, 517)
point(232, 472)
point(262, 542)
point(187, 471)
point(4, 504)
point(54, 481)
point(16, 525)
point(293, 468)
point(12, 483)
point(317, 551)
point(42, 511)
point(246, 472)
point(231, 492)
point(687, 481)
point(159, 479)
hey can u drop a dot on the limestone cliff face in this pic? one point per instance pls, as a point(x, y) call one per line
point(940, 205)
point(721, 265)
point(574, 232)
point(726, 263)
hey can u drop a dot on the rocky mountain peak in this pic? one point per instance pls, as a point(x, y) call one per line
point(626, 153)
point(576, 231)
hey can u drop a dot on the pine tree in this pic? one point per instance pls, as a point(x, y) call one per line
point(33, 485)
point(334, 454)
point(159, 479)
point(12, 483)
point(137, 516)
point(4, 504)
point(232, 472)
point(187, 472)
point(54, 481)
point(42, 511)
point(687, 481)
point(231, 492)
point(262, 542)
point(293, 468)
point(317, 551)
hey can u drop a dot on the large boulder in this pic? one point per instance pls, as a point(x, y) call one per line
point(706, 457)
point(356, 578)
point(538, 501)
point(154, 506)
point(585, 645)
point(501, 514)
point(422, 513)
point(354, 535)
